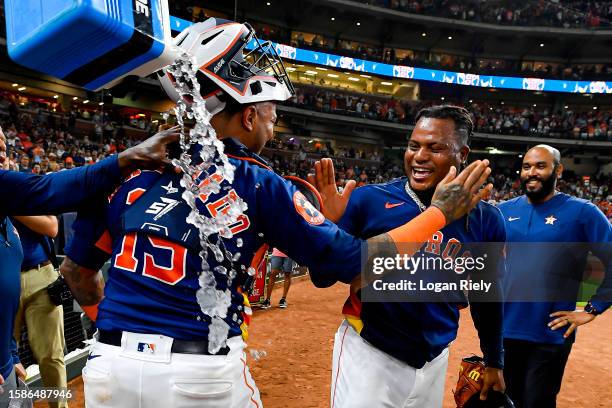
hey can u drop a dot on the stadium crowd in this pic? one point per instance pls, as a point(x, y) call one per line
point(426, 59)
point(42, 141)
point(591, 124)
point(560, 13)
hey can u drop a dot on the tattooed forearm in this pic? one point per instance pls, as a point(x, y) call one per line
point(86, 285)
point(452, 200)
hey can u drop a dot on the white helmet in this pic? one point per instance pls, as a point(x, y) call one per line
point(226, 70)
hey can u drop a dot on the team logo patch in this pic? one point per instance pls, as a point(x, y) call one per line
point(307, 210)
point(146, 348)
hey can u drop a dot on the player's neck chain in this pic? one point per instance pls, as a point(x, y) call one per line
point(414, 197)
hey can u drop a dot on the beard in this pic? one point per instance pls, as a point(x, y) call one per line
point(548, 185)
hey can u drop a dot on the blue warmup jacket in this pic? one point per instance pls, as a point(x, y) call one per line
point(29, 194)
point(540, 266)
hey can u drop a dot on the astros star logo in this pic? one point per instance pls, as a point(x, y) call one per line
point(550, 220)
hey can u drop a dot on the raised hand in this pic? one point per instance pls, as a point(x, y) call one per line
point(456, 195)
point(324, 180)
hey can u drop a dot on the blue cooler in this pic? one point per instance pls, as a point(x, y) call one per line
point(91, 43)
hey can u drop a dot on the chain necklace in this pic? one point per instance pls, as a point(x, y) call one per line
point(414, 197)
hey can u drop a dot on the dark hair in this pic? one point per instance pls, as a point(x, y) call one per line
point(459, 115)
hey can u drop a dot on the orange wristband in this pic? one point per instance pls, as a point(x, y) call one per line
point(91, 311)
point(418, 230)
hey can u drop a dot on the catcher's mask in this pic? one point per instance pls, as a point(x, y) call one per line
point(226, 70)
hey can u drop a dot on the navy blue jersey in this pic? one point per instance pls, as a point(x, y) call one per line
point(562, 219)
point(155, 263)
point(30, 194)
point(417, 332)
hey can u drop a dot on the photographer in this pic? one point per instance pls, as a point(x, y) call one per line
point(43, 318)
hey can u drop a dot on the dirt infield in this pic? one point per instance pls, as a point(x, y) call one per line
point(296, 371)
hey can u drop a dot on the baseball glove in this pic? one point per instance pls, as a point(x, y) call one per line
point(469, 385)
point(471, 372)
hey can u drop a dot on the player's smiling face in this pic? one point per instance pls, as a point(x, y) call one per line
point(539, 173)
point(432, 149)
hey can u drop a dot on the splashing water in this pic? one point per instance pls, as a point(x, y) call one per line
point(203, 174)
point(257, 354)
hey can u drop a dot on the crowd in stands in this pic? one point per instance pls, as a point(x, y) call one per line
point(358, 105)
point(449, 62)
point(559, 13)
point(473, 64)
point(594, 124)
point(41, 141)
point(543, 122)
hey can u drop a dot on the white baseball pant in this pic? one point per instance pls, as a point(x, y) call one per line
point(364, 376)
point(124, 377)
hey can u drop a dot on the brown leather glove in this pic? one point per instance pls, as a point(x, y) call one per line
point(469, 383)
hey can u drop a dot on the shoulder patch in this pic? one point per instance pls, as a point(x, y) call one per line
point(307, 210)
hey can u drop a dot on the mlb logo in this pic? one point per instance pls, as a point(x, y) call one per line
point(146, 348)
point(402, 71)
point(285, 51)
point(533, 84)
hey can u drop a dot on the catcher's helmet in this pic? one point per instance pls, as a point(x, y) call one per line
point(495, 399)
point(226, 69)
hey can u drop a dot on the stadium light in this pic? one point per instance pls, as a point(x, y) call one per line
point(470, 101)
point(541, 44)
point(23, 88)
point(442, 98)
point(520, 156)
point(14, 85)
point(358, 24)
point(386, 83)
point(333, 75)
point(268, 3)
point(566, 106)
point(424, 35)
point(534, 105)
point(517, 172)
point(450, 37)
point(101, 104)
point(333, 19)
point(86, 101)
point(595, 107)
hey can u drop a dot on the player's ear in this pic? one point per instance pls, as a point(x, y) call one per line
point(249, 118)
point(464, 151)
point(559, 170)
